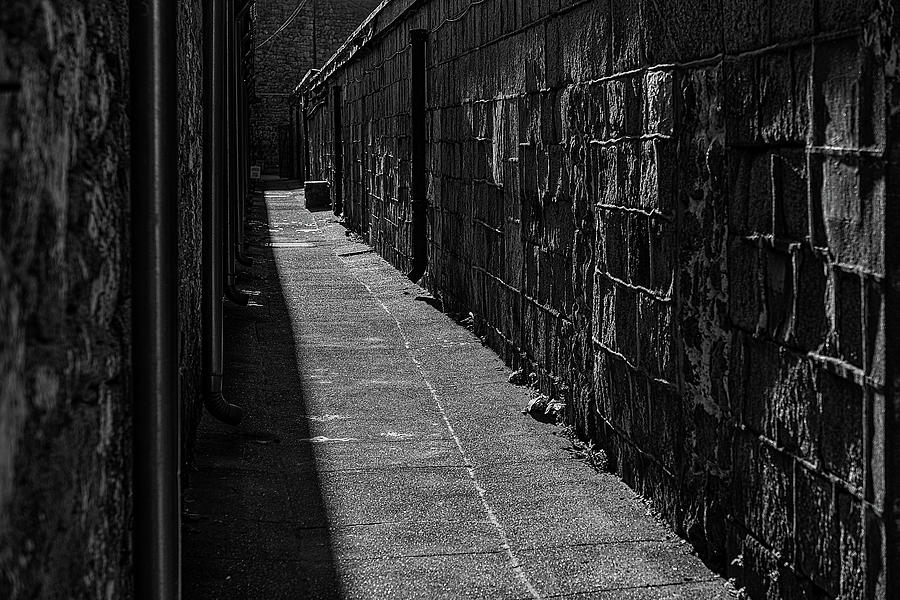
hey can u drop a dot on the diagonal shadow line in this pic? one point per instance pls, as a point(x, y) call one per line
point(242, 474)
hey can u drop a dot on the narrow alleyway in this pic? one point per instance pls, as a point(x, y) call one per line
point(384, 453)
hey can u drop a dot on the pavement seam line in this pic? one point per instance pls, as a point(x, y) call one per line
point(514, 562)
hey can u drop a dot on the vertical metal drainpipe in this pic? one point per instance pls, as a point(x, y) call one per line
point(231, 56)
point(338, 140)
point(294, 170)
point(243, 189)
point(418, 148)
point(298, 130)
point(304, 128)
point(213, 221)
point(154, 297)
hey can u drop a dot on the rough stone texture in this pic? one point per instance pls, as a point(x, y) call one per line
point(65, 443)
point(190, 193)
point(64, 310)
point(678, 218)
point(280, 63)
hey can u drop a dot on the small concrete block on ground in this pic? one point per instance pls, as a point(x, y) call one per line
point(317, 195)
point(384, 454)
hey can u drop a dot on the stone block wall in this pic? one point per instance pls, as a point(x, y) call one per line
point(678, 217)
point(308, 39)
point(65, 402)
point(64, 301)
point(190, 218)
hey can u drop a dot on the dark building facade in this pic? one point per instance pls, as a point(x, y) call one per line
point(680, 216)
point(291, 37)
point(66, 504)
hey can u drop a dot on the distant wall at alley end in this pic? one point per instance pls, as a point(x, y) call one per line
point(308, 38)
point(677, 215)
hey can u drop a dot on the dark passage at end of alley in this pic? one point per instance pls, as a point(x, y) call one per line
point(384, 452)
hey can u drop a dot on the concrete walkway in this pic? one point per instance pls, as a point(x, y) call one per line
point(384, 454)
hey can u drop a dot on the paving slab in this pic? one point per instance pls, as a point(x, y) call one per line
point(385, 455)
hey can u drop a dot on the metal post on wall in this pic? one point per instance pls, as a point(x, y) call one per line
point(337, 204)
point(154, 296)
point(417, 148)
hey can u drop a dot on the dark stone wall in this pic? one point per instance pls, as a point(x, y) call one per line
point(64, 301)
point(280, 63)
point(190, 152)
point(678, 218)
point(65, 430)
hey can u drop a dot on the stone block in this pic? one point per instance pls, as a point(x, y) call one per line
point(818, 544)
point(609, 175)
point(625, 105)
point(629, 163)
point(670, 423)
point(745, 302)
point(847, 112)
point(659, 102)
point(663, 249)
point(583, 41)
point(612, 243)
point(741, 101)
point(847, 197)
point(793, 21)
point(779, 293)
point(841, 449)
point(626, 323)
point(835, 15)
point(763, 493)
point(875, 332)
point(751, 205)
point(790, 191)
point(595, 112)
point(811, 323)
point(746, 25)
point(853, 580)
point(782, 114)
point(657, 163)
point(638, 243)
point(656, 337)
point(626, 38)
point(681, 30)
point(848, 296)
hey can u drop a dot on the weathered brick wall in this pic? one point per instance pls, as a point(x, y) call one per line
point(65, 430)
point(677, 217)
point(282, 62)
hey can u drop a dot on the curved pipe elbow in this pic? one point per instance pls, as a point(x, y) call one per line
point(221, 409)
point(417, 271)
point(244, 259)
point(235, 295)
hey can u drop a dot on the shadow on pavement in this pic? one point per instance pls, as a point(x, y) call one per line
point(255, 523)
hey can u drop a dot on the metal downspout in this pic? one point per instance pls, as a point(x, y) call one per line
point(213, 221)
point(338, 140)
point(231, 192)
point(241, 121)
point(154, 296)
point(304, 128)
point(418, 148)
